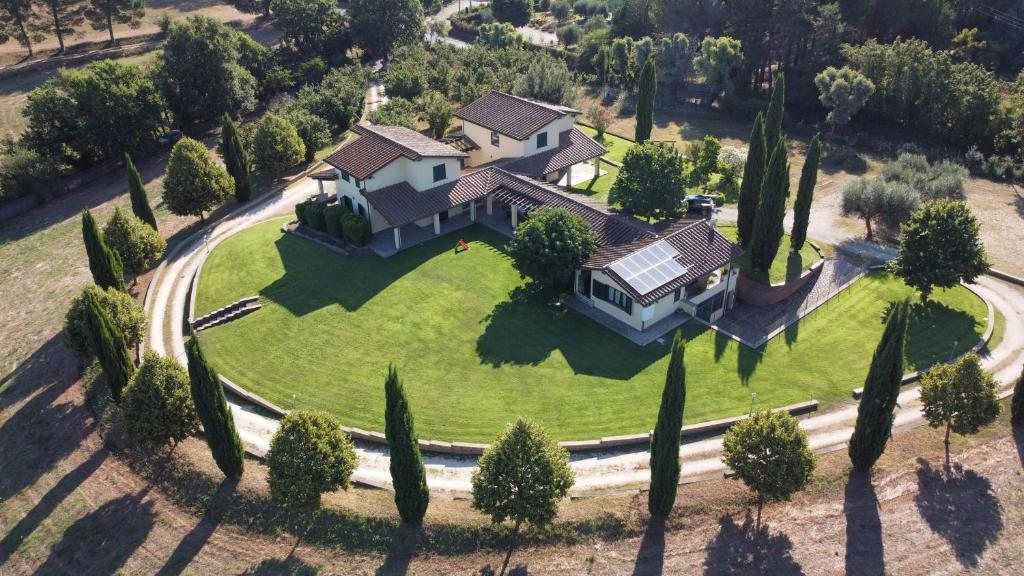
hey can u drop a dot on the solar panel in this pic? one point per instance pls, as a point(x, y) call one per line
point(650, 268)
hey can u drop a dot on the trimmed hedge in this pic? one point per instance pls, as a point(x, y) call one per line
point(300, 212)
point(332, 216)
point(356, 229)
point(315, 217)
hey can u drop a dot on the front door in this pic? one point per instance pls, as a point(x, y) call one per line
point(348, 202)
point(584, 287)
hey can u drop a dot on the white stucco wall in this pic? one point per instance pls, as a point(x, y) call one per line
point(507, 147)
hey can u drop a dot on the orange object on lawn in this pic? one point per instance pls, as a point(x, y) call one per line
point(463, 245)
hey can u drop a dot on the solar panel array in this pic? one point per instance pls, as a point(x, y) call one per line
point(650, 268)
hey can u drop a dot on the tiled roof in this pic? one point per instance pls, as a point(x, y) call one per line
point(324, 175)
point(401, 204)
point(511, 115)
point(378, 146)
point(574, 147)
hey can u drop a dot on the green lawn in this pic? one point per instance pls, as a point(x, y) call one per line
point(786, 266)
point(616, 146)
point(475, 350)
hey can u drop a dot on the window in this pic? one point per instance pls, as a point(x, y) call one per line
point(613, 296)
point(542, 139)
point(344, 176)
point(362, 210)
point(494, 138)
point(678, 294)
point(439, 173)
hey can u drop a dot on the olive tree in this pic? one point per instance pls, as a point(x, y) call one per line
point(844, 91)
point(874, 200)
point(960, 397)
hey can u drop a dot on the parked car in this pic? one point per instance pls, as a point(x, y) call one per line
point(700, 203)
point(170, 138)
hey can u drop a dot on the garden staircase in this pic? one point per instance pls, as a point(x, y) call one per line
point(228, 313)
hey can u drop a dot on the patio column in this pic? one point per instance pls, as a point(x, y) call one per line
point(398, 238)
point(597, 166)
point(568, 178)
point(320, 185)
point(490, 204)
point(437, 224)
point(515, 217)
point(472, 211)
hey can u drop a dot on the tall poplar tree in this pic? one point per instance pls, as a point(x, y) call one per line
point(771, 210)
point(881, 389)
point(750, 187)
point(665, 442)
point(236, 160)
point(645, 100)
point(407, 472)
point(805, 195)
point(137, 194)
point(218, 424)
point(107, 340)
point(776, 112)
point(104, 263)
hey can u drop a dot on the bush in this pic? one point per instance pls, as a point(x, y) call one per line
point(276, 145)
point(314, 131)
point(125, 313)
point(395, 112)
point(550, 245)
point(311, 70)
point(24, 172)
point(194, 184)
point(300, 212)
point(569, 34)
point(356, 229)
point(591, 7)
point(332, 219)
point(515, 12)
point(309, 455)
point(315, 216)
point(136, 242)
point(157, 405)
point(560, 9)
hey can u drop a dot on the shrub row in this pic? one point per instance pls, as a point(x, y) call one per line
point(336, 220)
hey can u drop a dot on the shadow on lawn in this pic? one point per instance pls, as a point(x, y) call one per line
point(744, 549)
point(935, 320)
point(512, 337)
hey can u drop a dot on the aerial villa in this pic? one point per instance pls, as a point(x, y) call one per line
point(507, 161)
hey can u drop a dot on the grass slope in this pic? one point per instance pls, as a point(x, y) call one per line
point(476, 350)
point(786, 265)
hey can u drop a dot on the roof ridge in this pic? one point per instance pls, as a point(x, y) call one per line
point(375, 130)
point(367, 130)
point(540, 103)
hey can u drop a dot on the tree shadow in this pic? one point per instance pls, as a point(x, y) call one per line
point(721, 344)
point(102, 541)
point(400, 551)
point(747, 362)
point(960, 506)
point(792, 333)
point(650, 559)
point(934, 319)
point(1018, 438)
point(196, 539)
point(794, 265)
point(743, 549)
point(865, 552)
point(290, 566)
point(528, 326)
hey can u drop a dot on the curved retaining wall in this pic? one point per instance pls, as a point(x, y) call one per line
point(757, 294)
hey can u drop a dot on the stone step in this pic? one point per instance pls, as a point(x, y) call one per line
point(233, 315)
point(207, 320)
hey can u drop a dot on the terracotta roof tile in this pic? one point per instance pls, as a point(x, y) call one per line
point(511, 115)
point(574, 147)
point(378, 146)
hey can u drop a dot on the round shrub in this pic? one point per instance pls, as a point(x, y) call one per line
point(276, 144)
point(332, 219)
point(300, 212)
point(356, 229)
point(569, 34)
point(315, 216)
point(136, 242)
point(309, 455)
point(123, 310)
point(194, 184)
point(157, 404)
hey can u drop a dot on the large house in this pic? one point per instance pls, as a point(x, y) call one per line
point(498, 169)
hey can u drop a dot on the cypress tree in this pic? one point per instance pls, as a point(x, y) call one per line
point(137, 193)
point(750, 187)
point(236, 161)
point(776, 111)
point(107, 340)
point(645, 101)
point(881, 389)
point(805, 195)
point(665, 442)
point(1017, 405)
point(104, 263)
point(407, 472)
point(771, 210)
point(218, 424)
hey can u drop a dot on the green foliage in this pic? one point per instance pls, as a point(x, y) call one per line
point(718, 61)
point(276, 144)
point(937, 181)
point(771, 210)
point(621, 62)
point(194, 184)
point(315, 216)
point(110, 346)
point(212, 408)
point(637, 18)
point(200, 73)
point(65, 17)
point(651, 182)
point(547, 79)
point(407, 74)
point(380, 25)
point(875, 200)
point(940, 246)
point(157, 404)
point(769, 453)
point(137, 244)
point(104, 263)
point(121, 308)
point(314, 131)
point(306, 25)
point(332, 219)
point(356, 229)
point(338, 98)
point(881, 390)
point(675, 62)
point(667, 435)
point(1017, 406)
point(438, 112)
point(499, 35)
point(300, 212)
point(960, 397)
point(103, 14)
point(21, 23)
point(776, 112)
point(24, 172)
point(805, 195)
point(515, 12)
point(236, 159)
point(750, 186)
point(569, 34)
point(645, 101)
point(137, 194)
point(844, 91)
point(309, 455)
point(551, 246)
point(522, 476)
point(703, 161)
point(395, 112)
point(94, 113)
point(407, 472)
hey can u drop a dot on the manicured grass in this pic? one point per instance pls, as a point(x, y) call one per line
point(786, 266)
point(475, 349)
point(616, 146)
point(598, 188)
